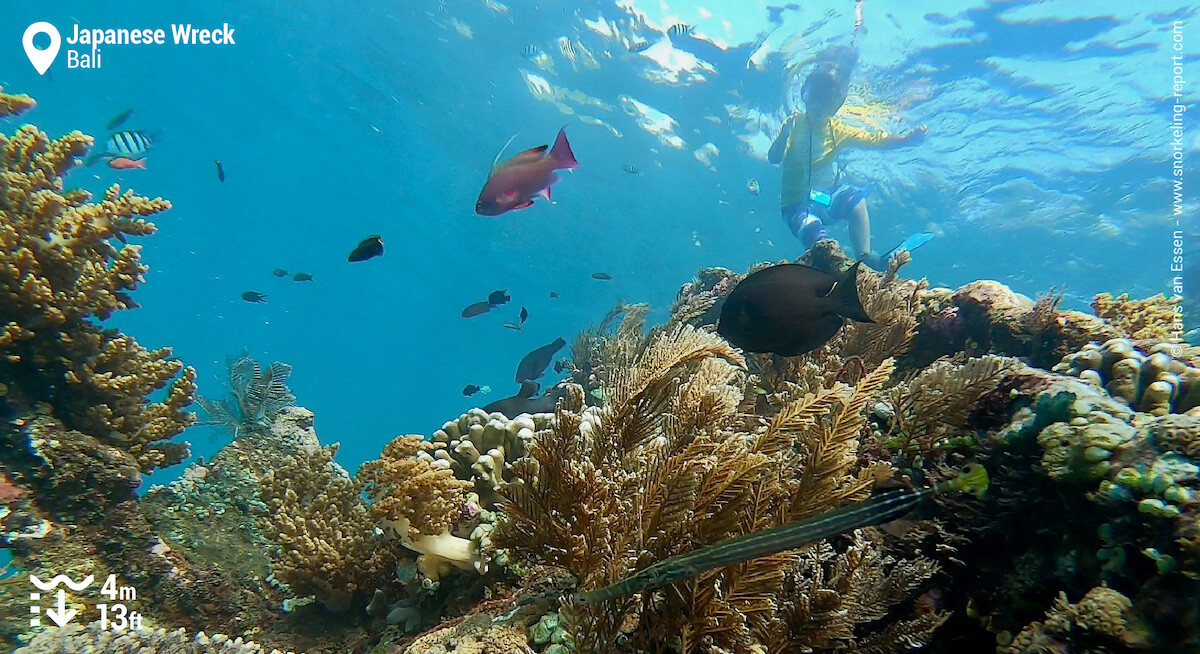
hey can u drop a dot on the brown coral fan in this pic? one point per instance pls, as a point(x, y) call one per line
point(323, 529)
point(59, 273)
point(1155, 317)
point(670, 464)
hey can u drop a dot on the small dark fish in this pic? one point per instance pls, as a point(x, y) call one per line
point(604, 277)
point(559, 367)
point(280, 272)
point(524, 315)
point(514, 326)
point(470, 389)
point(533, 365)
point(302, 277)
point(220, 171)
point(631, 169)
point(530, 51)
point(639, 45)
point(790, 309)
point(254, 296)
point(371, 247)
point(119, 119)
point(679, 29)
point(496, 298)
point(514, 183)
point(553, 295)
point(525, 402)
point(476, 309)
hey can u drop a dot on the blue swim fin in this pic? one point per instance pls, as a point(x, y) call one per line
point(911, 243)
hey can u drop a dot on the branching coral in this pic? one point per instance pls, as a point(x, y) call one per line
point(1155, 317)
point(419, 501)
point(12, 105)
point(59, 274)
point(323, 530)
point(255, 397)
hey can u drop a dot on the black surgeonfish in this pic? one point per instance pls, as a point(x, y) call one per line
point(370, 247)
point(790, 309)
point(525, 402)
point(533, 365)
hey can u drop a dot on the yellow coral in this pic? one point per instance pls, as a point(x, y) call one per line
point(11, 105)
point(1151, 318)
point(60, 272)
point(323, 529)
point(420, 501)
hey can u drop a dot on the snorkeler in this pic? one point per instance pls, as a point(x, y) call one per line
point(806, 144)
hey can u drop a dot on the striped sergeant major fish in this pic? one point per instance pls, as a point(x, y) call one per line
point(127, 144)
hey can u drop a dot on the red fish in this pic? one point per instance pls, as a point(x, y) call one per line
point(125, 163)
point(514, 183)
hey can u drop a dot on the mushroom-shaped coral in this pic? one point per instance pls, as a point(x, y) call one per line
point(1158, 379)
point(479, 447)
point(421, 502)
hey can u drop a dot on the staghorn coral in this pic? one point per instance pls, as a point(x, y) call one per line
point(669, 464)
point(60, 274)
point(92, 638)
point(12, 105)
point(420, 501)
point(323, 530)
point(255, 398)
point(1152, 318)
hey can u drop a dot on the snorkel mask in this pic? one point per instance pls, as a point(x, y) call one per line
point(824, 91)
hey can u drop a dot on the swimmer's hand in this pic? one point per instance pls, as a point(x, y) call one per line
point(915, 135)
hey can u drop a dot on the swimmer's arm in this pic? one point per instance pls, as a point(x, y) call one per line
point(779, 147)
point(861, 138)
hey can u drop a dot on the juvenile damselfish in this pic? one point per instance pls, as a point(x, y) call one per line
point(514, 183)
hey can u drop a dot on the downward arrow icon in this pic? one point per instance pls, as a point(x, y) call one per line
point(62, 616)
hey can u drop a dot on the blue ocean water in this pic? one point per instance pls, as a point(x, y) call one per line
point(1047, 165)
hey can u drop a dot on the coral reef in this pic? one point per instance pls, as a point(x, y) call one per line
point(420, 502)
point(59, 275)
point(479, 447)
point(1152, 318)
point(72, 639)
point(669, 464)
point(1157, 379)
point(323, 530)
point(1101, 621)
point(12, 105)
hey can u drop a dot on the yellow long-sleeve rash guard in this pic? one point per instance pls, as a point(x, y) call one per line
point(830, 139)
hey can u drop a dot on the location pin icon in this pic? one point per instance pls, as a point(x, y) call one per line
point(41, 59)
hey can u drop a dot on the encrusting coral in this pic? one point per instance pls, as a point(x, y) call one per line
point(1152, 318)
point(60, 274)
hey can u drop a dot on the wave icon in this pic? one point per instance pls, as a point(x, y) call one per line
point(61, 579)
